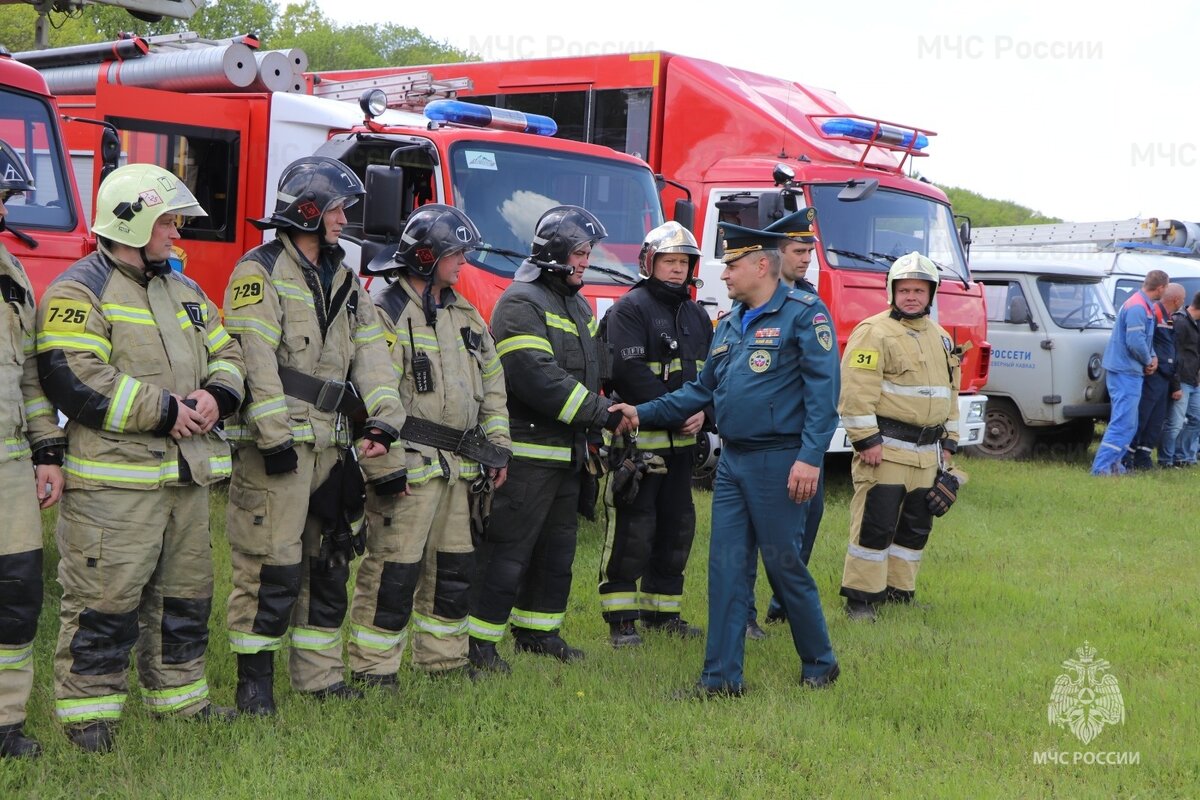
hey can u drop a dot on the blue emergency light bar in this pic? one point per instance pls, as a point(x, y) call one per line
point(886, 134)
point(480, 116)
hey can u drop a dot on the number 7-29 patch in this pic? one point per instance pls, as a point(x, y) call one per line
point(863, 359)
point(246, 291)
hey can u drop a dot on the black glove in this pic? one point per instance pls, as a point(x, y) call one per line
point(375, 435)
point(943, 494)
point(281, 461)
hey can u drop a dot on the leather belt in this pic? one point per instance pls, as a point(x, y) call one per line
point(914, 434)
point(471, 443)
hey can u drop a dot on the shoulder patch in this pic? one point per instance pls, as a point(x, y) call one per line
point(92, 272)
point(66, 316)
point(392, 302)
point(862, 358)
point(246, 291)
point(186, 281)
point(800, 296)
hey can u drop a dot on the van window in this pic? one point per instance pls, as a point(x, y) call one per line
point(998, 296)
point(1076, 304)
point(1123, 290)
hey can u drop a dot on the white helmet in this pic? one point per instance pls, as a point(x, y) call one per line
point(913, 266)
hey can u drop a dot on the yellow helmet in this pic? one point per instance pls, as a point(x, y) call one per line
point(133, 197)
point(912, 266)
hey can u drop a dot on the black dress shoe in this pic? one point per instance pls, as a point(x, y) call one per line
point(822, 681)
point(698, 691)
point(753, 631)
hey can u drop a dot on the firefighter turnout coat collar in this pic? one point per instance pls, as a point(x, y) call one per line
point(27, 420)
point(113, 345)
point(277, 308)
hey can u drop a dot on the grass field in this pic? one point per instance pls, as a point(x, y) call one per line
point(944, 701)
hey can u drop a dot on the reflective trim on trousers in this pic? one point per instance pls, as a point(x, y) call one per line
point(89, 708)
point(904, 553)
point(165, 700)
point(375, 640)
point(619, 601)
point(15, 657)
point(488, 631)
point(661, 602)
point(536, 620)
point(313, 639)
point(250, 643)
point(437, 627)
point(856, 551)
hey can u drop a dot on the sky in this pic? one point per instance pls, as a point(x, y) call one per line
point(1084, 111)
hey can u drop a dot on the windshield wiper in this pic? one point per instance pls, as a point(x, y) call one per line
point(955, 272)
point(613, 272)
point(871, 259)
point(29, 241)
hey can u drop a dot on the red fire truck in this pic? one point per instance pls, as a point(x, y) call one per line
point(716, 134)
point(230, 148)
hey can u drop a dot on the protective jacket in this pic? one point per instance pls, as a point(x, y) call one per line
point(659, 342)
point(284, 316)
point(113, 346)
point(467, 384)
point(27, 420)
point(905, 371)
point(546, 338)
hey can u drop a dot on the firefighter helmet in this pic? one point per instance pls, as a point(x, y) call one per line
point(912, 266)
point(308, 188)
point(562, 230)
point(433, 232)
point(132, 198)
point(14, 174)
point(670, 237)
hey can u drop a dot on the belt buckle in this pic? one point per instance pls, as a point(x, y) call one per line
point(330, 395)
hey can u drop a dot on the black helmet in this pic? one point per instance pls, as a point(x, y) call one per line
point(434, 231)
point(561, 230)
point(14, 174)
point(308, 188)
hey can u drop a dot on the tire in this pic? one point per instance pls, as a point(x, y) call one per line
point(1005, 434)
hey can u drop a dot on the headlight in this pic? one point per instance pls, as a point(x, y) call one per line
point(1094, 367)
point(976, 412)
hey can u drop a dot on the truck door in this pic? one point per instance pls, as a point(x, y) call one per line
point(204, 140)
point(1022, 367)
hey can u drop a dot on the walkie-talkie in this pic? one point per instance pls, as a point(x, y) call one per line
point(422, 369)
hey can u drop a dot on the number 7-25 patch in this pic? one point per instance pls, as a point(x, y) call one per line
point(66, 316)
point(863, 359)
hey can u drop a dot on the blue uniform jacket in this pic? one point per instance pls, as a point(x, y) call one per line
point(1129, 347)
point(776, 385)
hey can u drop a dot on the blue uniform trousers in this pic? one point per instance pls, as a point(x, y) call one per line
point(1124, 391)
point(812, 522)
point(751, 508)
point(1152, 413)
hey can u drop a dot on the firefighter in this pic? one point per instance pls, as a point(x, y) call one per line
point(659, 337)
point(135, 356)
point(546, 337)
point(419, 551)
point(795, 255)
point(307, 327)
point(771, 377)
point(27, 424)
point(899, 405)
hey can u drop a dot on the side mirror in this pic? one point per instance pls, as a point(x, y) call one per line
point(110, 151)
point(685, 214)
point(1018, 311)
point(858, 190)
point(964, 230)
point(387, 203)
point(772, 206)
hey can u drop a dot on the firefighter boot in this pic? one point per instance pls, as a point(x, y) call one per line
point(860, 610)
point(15, 744)
point(676, 627)
point(624, 634)
point(338, 691)
point(255, 689)
point(482, 655)
point(547, 644)
point(92, 737)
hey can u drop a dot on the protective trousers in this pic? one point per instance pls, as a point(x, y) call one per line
point(1124, 392)
point(20, 587)
point(280, 587)
point(650, 540)
point(889, 527)
point(523, 566)
point(751, 509)
point(135, 568)
point(812, 523)
point(418, 566)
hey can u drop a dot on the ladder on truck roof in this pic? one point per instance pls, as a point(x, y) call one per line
point(1152, 233)
point(410, 90)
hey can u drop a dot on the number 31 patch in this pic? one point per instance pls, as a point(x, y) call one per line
point(864, 359)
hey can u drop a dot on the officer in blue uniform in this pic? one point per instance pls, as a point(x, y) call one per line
point(772, 377)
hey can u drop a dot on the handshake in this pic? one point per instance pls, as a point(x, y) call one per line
point(629, 418)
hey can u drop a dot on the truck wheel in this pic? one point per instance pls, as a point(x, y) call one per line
point(1005, 434)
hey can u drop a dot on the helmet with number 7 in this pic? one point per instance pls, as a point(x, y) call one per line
point(433, 232)
point(912, 266)
point(309, 187)
point(132, 198)
point(562, 230)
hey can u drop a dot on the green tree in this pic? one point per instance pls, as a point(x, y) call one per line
point(986, 212)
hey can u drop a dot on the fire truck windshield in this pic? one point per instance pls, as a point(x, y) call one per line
point(506, 188)
point(871, 233)
point(27, 125)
